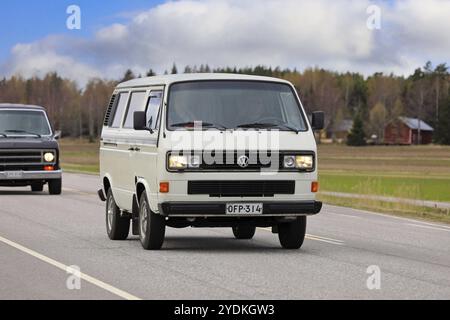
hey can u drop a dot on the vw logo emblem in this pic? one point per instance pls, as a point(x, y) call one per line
point(242, 161)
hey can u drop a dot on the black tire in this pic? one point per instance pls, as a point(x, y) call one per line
point(37, 187)
point(244, 232)
point(292, 234)
point(55, 186)
point(152, 227)
point(117, 227)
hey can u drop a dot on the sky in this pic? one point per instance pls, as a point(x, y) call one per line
point(119, 34)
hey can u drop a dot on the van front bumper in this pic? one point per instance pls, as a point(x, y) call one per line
point(10, 176)
point(217, 209)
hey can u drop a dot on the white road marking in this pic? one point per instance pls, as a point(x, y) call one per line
point(83, 193)
point(59, 265)
point(427, 227)
point(435, 225)
point(315, 238)
point(343, 215)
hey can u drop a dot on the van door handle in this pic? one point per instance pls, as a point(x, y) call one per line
point(137, 149)
point(131, 149)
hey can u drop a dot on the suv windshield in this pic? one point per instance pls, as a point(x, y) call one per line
point(233, 105)
point(23, 122)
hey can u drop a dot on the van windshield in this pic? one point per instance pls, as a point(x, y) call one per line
point(23, 123)
point(234, 105)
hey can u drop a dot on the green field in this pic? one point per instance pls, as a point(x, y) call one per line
point(426, 188)
point(411, 172)
point(79, 156)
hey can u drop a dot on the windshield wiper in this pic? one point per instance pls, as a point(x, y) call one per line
point(24, 132)
point(3, 135)
point(268, 125)
point(191, 124)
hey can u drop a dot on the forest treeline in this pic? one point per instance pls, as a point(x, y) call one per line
point(377, 99)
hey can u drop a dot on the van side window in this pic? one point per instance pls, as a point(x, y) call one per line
point(120, 107)
point(136, 104)
point(153, 105)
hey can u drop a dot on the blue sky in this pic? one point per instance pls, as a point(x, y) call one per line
point(29, 20)
point(142, 34)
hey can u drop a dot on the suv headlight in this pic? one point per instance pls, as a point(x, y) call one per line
point(49, 157)
point(178, 162)
point(301, 162)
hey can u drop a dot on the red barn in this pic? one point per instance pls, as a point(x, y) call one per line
point(406, 131)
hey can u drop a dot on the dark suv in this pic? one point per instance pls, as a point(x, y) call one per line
point(29, 152)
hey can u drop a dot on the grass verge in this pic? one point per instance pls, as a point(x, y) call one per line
point(391, 208)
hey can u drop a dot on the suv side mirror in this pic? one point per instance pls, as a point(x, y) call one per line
point(57, 135)
point(318, 120)
point(140, 121)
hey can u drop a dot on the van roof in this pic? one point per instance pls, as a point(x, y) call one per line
point(19, 106)
point(169, 79)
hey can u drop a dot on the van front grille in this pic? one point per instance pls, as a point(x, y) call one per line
point(241, 188)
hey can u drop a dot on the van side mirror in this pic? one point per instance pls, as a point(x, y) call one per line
point(57, 135)
point(140, 121)
point(318, 120)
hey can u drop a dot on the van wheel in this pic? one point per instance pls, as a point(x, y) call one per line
point(117, 227)
point(55, 186)
point(292, 234)
point(244, 232)
point(37, 187)
point(152, 226)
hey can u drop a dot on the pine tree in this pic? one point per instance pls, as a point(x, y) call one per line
point(151, 73)
point(174, 69)
point(442, 134)
point(357, 136)
point(129, 75)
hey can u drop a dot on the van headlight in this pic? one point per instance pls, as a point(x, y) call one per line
point(304, 162)
point(179, 162)
point(49, 157)
point(301, 162)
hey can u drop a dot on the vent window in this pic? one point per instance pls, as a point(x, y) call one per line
point(107, 121)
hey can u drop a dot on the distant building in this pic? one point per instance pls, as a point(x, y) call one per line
point(340, 131)
point(406, 131)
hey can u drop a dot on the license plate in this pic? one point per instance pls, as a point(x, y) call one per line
point(14, 174)
point(244, 208)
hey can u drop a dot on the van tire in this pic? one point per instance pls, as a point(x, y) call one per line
point(152, 226)
point(37, 187)
point(244, 232)
point(292, 234)
point(55, 186)
point(117, 227)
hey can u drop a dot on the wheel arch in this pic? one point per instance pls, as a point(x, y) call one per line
point(107, 183)
point(141, 187)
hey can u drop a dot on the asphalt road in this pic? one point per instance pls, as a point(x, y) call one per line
point(40, 235)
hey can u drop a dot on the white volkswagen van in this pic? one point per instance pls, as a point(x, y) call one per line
point(208, 150)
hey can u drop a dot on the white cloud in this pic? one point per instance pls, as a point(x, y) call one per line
point(290, 33)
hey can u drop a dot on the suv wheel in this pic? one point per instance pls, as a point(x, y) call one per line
point(55, 186)
point(292, 234)
point(37, 187)
point(152, 227)
point(244, 232)
point(117, 226)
